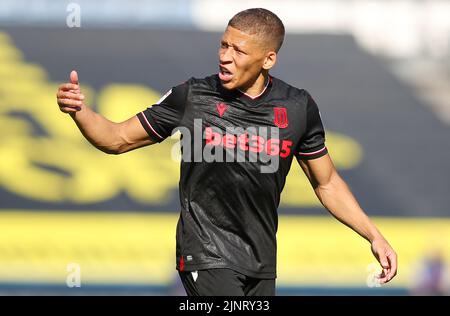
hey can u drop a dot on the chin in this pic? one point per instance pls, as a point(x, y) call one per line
point(228, 85)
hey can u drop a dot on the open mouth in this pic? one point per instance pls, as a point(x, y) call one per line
point(225, 74)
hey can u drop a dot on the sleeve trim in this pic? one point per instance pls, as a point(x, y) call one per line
point(312, 153)
point(144, 119)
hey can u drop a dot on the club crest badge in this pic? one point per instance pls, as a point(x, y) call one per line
point(280, 118)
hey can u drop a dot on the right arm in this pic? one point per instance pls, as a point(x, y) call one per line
point(107, 136)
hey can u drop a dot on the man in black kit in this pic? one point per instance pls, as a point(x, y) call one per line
point(251, 126)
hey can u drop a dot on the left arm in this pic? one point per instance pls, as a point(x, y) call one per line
point(336, 197)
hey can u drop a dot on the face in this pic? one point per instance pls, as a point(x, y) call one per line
point(242, 59)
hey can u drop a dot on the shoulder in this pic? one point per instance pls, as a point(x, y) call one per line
point(282, 89)
point(205, 82)
point(193, 82)
point(183, 91)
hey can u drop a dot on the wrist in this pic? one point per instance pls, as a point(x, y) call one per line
point(76, 116)
point(376, 236)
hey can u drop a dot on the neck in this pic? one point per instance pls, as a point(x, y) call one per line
point(257, 86)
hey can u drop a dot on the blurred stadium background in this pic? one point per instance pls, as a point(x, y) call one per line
point(379, 70)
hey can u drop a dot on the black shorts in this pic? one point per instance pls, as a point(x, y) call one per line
point(225, 282)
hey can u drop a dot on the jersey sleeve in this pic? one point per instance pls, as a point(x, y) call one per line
point(312, 143)
point(165, 115)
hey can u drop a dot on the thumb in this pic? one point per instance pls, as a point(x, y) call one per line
point(383, 261)
point(73, 77)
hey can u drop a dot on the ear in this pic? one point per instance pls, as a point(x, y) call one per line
point(270, 60)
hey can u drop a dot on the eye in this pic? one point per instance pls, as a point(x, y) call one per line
point(223, 45)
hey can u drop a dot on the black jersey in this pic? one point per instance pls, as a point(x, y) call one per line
point(229, 207)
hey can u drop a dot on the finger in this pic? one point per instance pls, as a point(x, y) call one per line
point(74, 77)
point(69, 102)
point(382, 258)
point(69, 110)
point(382, 277)
point(69, 95)
point(69, 86)
point(66, 109)
point(393, 265)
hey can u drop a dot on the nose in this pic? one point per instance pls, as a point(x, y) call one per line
point(225, 56)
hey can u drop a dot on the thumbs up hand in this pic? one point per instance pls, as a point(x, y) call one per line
point(69, 97)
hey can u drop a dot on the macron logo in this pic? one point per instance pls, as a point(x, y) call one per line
point(221, 108)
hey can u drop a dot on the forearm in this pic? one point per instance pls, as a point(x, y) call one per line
point(99, 131)
point(337, 198)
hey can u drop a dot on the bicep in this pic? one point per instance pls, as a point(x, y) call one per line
point(133, 135)
point(319, 171)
